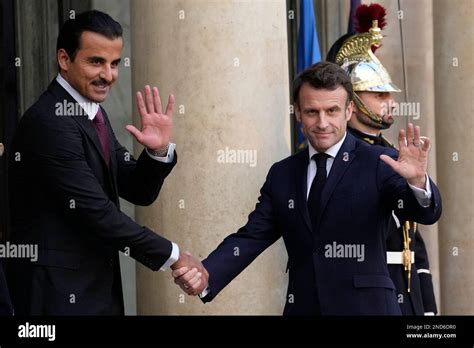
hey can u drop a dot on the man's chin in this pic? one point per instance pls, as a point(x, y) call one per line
point(319, 145)
point(97, 98)
point(388, 120)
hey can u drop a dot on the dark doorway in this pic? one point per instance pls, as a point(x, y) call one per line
point(8, 102)
point(28, 33)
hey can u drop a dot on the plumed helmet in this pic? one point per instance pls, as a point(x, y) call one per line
point(354, 52)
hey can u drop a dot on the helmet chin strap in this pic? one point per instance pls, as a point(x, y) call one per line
point(376, 118)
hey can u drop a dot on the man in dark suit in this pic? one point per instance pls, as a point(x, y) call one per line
point(374, 111)
point(332, 205)
point(67, 173)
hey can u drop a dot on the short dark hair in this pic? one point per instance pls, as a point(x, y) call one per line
point(323, 75)
point(69, 37)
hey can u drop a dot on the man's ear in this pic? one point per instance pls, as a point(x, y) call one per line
point(297, 112)
point(351, 109)
point(63, 59)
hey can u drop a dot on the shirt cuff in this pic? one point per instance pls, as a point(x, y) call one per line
point(205, 292)
point(429, 313)
point(165, 159)
point(173, 258)
point(423, 196)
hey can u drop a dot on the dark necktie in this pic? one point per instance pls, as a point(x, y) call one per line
point(101, 129)
point(314, 198)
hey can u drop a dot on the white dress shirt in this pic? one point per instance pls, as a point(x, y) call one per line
point(91, 109)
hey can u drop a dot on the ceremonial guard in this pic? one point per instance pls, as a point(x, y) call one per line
point(406, 253)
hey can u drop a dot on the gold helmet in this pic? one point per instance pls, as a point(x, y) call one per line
point(366, 72)
point(354, 53)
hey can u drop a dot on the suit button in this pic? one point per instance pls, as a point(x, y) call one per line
point(111, 262)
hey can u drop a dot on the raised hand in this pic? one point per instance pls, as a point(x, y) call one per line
point(156, 126)
point(413, 158)
point(190, 274)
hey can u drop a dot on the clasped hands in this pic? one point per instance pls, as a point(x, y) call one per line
point(190, 274)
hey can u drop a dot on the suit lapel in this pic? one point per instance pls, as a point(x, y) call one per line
point(82, 120)
point(341, 163)
point(301, 177)
point(88, 127)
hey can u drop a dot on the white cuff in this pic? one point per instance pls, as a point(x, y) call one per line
point(423, 196)
point(169, 156)
point(173, 258)
point(429, 313)
point(205, 292)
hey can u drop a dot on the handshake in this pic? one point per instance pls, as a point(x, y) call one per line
point(190, 274)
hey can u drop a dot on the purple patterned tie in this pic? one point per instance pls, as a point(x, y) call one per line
point(101, 129)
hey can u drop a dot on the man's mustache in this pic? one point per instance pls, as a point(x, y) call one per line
point(100, 82)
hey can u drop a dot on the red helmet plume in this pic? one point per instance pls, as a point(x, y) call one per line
point(364, 16)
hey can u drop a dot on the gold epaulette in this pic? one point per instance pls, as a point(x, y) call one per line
point(368, 140)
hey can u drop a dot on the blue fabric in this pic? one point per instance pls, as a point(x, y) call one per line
point(308, 44)
point(351, 26)
point(308, 51)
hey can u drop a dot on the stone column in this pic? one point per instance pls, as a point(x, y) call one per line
point(454, 68)
point(36, 30)
point(417, 21)
point(227, 64)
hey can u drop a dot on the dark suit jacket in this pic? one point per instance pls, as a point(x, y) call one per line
point(65, 199)
point(356, 206)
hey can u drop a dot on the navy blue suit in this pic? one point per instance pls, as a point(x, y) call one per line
point(360, 193)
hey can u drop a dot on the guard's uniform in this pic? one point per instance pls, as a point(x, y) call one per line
point(420, 299)
point(407, 258)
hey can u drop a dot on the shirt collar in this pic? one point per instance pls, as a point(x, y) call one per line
point(332, 151)
point(89, 106)
point(369, 134)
